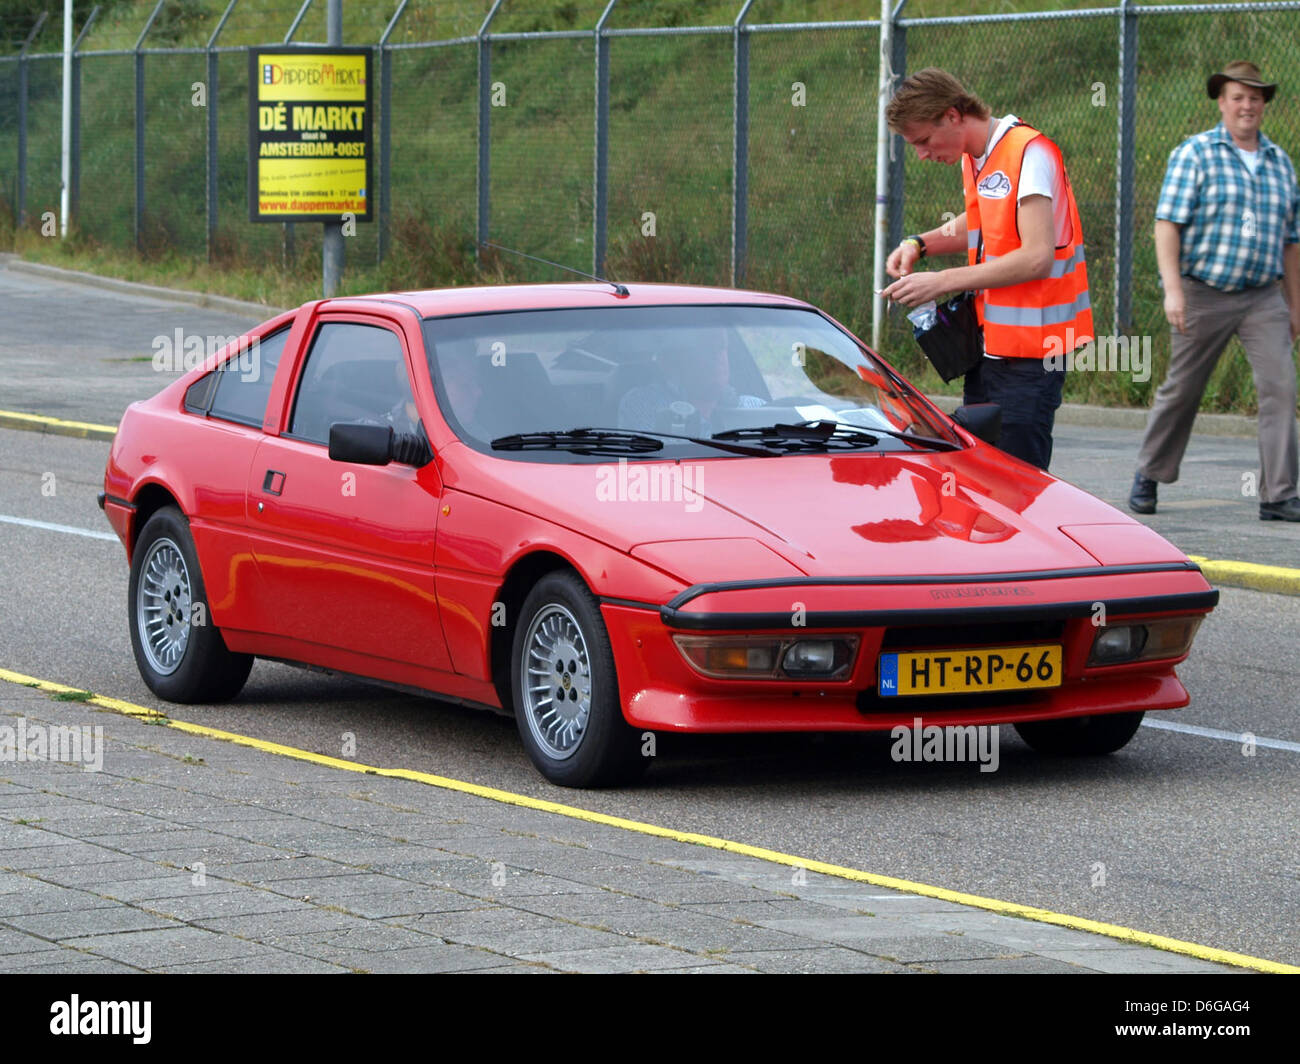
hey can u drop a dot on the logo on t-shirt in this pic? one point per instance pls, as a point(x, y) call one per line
point(995, 186)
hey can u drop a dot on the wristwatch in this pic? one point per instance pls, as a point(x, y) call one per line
point(920, 244)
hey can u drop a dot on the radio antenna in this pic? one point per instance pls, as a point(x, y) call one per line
point(618, 288)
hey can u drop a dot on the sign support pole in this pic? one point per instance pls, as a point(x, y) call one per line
point(332, 240)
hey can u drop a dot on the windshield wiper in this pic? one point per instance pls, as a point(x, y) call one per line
point(825, 435)
point(929, 441)
point(579, 441)
point(714, 442)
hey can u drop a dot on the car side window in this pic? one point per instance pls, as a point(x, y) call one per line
point(242, 383)
point(353, 373)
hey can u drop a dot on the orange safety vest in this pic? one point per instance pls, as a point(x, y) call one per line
point(1032, 319)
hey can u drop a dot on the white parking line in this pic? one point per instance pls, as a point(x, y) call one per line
point(1230, 737)
point(49, 527)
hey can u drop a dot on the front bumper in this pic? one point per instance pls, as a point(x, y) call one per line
point(661, 691)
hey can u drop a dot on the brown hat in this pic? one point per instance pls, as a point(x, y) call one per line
point(1244, 73)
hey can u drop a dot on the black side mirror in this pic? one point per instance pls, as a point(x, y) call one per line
point(362, 444)
point(980, 419)
point(412, 448)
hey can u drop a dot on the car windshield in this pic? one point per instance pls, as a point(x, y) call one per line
point(680, 374)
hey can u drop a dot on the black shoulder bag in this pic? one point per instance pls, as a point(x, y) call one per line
point(954, 344)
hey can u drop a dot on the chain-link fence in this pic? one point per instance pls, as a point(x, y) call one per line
point(706, 141)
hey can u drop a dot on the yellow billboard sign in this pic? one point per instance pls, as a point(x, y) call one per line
point(310, 145)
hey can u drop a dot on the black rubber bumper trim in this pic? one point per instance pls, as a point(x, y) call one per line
point(696, 590)
point(1191, 602)
point(635, 604)
point(126, 504)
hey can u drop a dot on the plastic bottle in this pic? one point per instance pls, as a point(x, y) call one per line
point(924, 317)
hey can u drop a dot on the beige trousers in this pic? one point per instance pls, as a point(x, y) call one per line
point(1259, 317)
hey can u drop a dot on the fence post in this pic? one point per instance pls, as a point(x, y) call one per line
point(885, 85)
point(1124, 178)
point(22, 120)
point(213, 89)
point(484, 204)
point(600, 200)
point(740, 145)
point(897, 148)
point(385, 131)
point(139, 124)
point(74, 178)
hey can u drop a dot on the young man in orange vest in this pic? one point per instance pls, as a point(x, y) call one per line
point(1024, 245)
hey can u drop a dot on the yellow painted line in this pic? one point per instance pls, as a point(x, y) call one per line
point(1006, 908)
point(88, 430)
point(1274, 578)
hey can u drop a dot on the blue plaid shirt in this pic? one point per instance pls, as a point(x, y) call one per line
point(1234, 224)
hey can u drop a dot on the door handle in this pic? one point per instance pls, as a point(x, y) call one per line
point(273, 482)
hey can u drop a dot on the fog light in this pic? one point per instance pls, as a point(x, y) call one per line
point(740, 658)
point(1169, 638)
point(1113, 646)
point(768, 657)
point(728, 657)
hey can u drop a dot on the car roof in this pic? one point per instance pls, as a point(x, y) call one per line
point(443, 302)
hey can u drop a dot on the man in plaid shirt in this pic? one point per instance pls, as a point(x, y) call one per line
point(1225, 234)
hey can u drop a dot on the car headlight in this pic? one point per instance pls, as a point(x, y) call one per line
point(820, 657)
point(1122, 644)
point(734, 657)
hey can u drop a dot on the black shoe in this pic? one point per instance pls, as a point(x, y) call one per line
point(1286, 510)
point(1142, 498)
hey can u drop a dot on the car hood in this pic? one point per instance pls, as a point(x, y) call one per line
point(963, 512)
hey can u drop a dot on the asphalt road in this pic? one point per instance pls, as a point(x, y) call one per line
point(1198, 840)
point(79, 353)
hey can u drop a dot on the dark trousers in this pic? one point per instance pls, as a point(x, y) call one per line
point(1029, 394)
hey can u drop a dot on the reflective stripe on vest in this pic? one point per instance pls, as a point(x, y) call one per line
point(1033, 318)
point(1036, 317)
point(1059, 268)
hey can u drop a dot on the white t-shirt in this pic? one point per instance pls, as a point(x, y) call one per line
point(1250, 158)
point(1039, 176)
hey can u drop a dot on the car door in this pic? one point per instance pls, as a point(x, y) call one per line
point(346, 551)
point(233, 400)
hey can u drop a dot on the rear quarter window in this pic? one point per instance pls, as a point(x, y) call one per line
point(239, 388)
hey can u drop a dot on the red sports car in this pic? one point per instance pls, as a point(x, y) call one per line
point(616, 510)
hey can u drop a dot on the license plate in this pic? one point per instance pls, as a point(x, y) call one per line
point(949, 672)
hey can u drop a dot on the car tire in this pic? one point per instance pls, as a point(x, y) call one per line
point(180, 653)
point(1081, 736)
point(561, 648)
